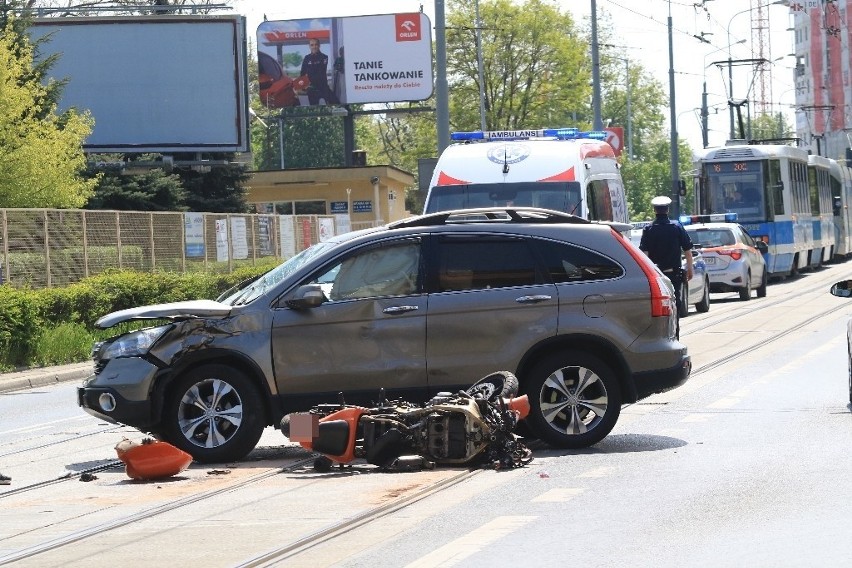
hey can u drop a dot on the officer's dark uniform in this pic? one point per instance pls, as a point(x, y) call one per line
point(315, 66)
point(663, 240)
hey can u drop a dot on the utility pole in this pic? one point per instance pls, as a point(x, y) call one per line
point(442, 97)
point(481, 71)
point(673, 118)
point(596, 71)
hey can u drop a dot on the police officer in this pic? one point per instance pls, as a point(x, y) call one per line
point(663, 240)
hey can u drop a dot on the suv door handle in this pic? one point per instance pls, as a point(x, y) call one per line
point(533, 299)
point(395, 310)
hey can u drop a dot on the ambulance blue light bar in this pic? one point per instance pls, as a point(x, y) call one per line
point(712, 218)
point(559, 133)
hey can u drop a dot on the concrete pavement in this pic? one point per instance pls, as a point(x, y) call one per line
point(43, 376)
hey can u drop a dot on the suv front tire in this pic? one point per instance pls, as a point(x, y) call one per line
point(214, 412)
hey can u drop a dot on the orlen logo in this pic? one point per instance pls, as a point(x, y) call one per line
point(407, 27)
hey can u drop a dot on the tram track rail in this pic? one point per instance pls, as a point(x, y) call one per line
point(102, 528)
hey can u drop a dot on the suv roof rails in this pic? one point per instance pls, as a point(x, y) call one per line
point(490, 215)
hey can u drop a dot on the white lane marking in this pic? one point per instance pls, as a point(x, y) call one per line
point(695, 418)
point(602, 471)
point(558, 495)
point(46, 425)
point(726, 402)
point(454, 552)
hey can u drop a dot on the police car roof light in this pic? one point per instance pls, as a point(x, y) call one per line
point(559, 133)
point(712, 218)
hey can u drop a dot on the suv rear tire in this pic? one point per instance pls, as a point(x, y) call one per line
point(575, 400)
point(215, 413)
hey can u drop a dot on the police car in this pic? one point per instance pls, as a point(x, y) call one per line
point(697, 289)
point(734, 259)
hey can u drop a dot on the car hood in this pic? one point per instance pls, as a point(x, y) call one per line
point(174, 311)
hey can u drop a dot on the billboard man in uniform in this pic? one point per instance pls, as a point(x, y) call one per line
point(315, 66)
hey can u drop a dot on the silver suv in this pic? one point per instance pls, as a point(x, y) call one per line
point(424, 305)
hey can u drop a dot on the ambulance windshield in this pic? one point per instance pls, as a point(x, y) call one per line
point(559, 196)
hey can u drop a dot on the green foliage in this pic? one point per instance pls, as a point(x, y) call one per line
point(221, 190)
point(41, 156)
point(651, 175)
point(66, 343)
point(20, 321)
point(536, 72)
point(154, 190)
point(769, 127)
point(55, 325)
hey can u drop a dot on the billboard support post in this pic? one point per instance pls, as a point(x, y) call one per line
point(281, 141)
point(348, 137)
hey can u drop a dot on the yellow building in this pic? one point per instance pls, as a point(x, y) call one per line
point(372, 195)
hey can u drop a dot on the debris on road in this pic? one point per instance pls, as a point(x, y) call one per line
point(151, 459)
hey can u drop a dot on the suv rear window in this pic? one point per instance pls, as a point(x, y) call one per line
point(475, 263)
point(569, 263)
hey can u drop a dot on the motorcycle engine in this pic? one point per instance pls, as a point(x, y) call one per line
point(455, 432)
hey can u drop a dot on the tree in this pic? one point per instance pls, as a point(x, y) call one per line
point(41, 157)
point(650, 175)
point(219, 190)
point(768, 126)
point(536, 71)
point(154, 190)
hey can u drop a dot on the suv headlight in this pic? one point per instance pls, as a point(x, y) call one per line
point(133, 344)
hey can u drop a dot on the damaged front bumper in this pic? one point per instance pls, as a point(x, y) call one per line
point(120, 392)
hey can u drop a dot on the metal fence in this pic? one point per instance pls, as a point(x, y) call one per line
point(54, 247)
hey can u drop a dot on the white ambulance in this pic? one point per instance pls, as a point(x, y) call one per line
point(562, 169)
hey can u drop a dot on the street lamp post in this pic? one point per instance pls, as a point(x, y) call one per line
point(629, 109)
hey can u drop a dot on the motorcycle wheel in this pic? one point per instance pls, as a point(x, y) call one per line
point(500, 384)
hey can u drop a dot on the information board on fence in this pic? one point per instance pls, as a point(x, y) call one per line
point(193, 224)
point(287, 230)
point(239, 238)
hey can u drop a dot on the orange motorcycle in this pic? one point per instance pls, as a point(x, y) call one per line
point(474, 426)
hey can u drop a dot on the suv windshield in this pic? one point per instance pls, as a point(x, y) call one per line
point(251, 289)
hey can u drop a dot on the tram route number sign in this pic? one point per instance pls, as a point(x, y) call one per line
point(731, 167)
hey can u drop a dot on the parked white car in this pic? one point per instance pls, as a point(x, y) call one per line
point(733, 258)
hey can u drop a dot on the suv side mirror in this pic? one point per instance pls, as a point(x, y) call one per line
point(761, 246)
point(306, 297)
point(842, 289)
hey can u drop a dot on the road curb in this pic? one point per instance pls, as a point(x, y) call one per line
point(44, 376)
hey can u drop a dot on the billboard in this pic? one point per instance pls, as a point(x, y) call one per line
point(360, 59)
point(154, 84)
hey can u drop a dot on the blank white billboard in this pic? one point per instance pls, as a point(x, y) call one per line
point(154, 84)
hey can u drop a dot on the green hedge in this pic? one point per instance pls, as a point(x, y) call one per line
point(26, 314)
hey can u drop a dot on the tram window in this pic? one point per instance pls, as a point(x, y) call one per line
point(776, 187)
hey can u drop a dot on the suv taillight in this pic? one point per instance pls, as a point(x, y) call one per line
point(662, 304)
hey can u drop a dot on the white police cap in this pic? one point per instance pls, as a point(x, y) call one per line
point(661, 201)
